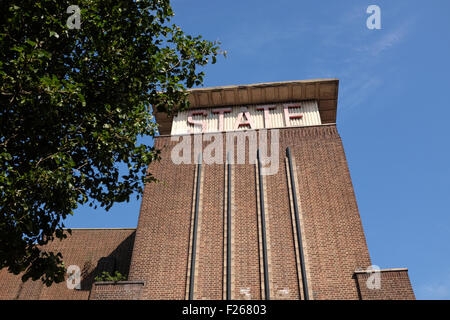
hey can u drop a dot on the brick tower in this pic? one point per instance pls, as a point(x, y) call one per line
point(254, 201)
point(221, 229)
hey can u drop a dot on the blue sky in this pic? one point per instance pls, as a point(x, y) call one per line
point(392, 113)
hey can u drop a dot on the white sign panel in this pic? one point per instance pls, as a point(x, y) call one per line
point(295, 114)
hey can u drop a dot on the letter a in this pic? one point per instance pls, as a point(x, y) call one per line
point(74, 21)
point(374, 21)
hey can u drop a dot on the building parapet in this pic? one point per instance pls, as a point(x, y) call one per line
point(117, 290)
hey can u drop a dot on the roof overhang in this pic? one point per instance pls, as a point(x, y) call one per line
point(324, 91)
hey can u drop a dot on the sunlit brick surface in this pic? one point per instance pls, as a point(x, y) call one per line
point(93, 250)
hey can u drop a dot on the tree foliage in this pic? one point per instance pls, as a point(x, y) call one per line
point(73, 103)
point(106, 276)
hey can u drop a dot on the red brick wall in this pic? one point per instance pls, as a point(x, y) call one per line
point(334, 237)
point(160, 253)
point(121, 290)
point(333, 233)
point(210, 265)
point(394, 285)
point(246, 257)
point(283, 270)
point(93, 250)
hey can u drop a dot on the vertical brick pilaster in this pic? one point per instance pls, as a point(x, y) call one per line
point(306, 261)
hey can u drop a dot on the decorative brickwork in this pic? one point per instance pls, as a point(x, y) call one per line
point(121, 290)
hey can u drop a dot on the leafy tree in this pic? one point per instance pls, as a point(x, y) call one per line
point(106, 276)
point(73, 103)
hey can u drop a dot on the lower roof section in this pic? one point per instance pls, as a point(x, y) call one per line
point(324, 91)
point(91, 250)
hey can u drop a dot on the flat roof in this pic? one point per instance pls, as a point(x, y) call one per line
point(324, 91)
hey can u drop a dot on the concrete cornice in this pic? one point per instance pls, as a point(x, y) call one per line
point(324, 91)
point(264, 84)
point(382, 270)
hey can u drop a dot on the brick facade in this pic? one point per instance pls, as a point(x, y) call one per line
point(121, 290)
point(333, 237)
point(394, 285)
point(332, 233)
point(93, 250)
point(325, 254)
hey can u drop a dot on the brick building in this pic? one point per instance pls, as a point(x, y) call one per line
point(255, 201)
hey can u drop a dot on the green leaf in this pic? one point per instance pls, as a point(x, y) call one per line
point(74, 103)
point(54, 34)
